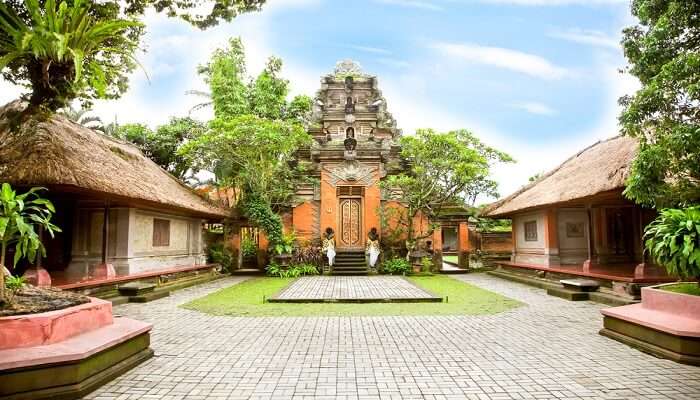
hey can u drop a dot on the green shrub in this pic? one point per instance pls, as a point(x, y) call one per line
point(396, 266)
point(293, 271)
point(218, 253)
point(426, 264)
point(14, 283)
point(308, 254)
point(249, 248)
point(673, 241)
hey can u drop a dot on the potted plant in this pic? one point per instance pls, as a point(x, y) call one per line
point(673, 241)
point(284, 248)
point(19, 215)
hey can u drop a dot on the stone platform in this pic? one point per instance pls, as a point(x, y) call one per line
point(352, 289)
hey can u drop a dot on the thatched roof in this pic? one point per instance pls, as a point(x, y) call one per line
point(61, 154)
point(599, 168)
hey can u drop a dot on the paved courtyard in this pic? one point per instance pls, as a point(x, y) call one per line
point(343, 288)
point(547, 349)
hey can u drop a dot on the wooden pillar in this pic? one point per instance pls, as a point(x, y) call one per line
point(551, 237)
point(463, 245)
point(590, 242)
point(105, 233)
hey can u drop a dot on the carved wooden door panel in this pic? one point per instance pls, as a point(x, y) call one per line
point(350, 223)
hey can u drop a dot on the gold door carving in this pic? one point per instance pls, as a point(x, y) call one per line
point(350, 223)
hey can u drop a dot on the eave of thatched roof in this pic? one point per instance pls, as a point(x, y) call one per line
point(600, 168)
point(59, 153)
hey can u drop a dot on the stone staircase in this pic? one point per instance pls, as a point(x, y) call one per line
point(350, 262)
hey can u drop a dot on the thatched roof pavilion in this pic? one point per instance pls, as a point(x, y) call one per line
point(64, 156)
point(600, 168)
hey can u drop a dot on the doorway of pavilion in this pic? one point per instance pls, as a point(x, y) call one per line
point(350, 216)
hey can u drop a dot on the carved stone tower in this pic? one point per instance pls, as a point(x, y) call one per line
point(354, 149)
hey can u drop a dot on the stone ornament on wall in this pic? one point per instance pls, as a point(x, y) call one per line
point(351, 171)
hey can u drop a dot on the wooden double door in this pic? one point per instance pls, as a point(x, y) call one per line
point(350, 223)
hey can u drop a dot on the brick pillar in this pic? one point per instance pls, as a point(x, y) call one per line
point(463, 245)
point(437, 249)
point(234, 240)
point(551, 237)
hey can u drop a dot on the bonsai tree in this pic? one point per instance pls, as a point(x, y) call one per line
point(19, 216)
point(673, 240)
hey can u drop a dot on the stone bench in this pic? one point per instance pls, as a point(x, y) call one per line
point(581, 285)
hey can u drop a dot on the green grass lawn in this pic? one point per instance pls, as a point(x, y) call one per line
point(246, 299)
point(685, 287)
point(451, 259)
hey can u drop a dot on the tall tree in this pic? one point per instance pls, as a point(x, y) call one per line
point(663, 50)
point(82, 117)
point(163, 144)
point(445, 169)
point(234, 93)
point(254, 136)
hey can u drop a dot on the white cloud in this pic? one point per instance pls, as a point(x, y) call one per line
point(535, 108)
point(556, 2)
point(420, 4)
point(500, 57)
point(589, 37)
point(392, 62)
point(369, 49)
point(9, 92)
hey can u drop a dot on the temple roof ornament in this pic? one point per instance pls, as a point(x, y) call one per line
point(348, 67)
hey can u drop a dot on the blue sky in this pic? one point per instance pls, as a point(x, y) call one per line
point(536, 78)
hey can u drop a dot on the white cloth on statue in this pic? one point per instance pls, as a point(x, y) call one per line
point(330, 253)
point(373, 256)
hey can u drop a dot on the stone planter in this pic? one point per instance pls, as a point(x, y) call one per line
point(72, 351)
point(666, 324)
point(283, 260)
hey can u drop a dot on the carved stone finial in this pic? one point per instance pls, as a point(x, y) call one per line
point(348, 67)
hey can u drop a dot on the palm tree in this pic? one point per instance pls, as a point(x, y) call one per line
point(80, 116)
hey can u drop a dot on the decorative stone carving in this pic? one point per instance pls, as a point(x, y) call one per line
point(348, 68)
point(351, 171)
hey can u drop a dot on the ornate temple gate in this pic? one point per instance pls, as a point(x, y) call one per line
point(351, 232)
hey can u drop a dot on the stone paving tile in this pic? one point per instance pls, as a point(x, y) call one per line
point(352, 287)
point(547, 349)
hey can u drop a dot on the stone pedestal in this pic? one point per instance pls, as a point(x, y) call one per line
point(37, 276)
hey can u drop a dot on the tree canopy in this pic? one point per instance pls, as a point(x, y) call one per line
point(234, 93)
point(75, 48)
point(252, 140)
point(445, 169)
point(85, 49)
point(163, 144)
point(663, 50)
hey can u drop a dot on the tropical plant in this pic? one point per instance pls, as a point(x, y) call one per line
point(72, 49)
point(248, 247)
point(221, 254)
point(14, 284)
point(233, 93)
point(286, 244)
point(310, 253)
point(664, 115)
point(162, 145)
point(396, 266)
point(19, 215)
point(81, 117)
point(673, 240)
point(445, 168)
point(293, 271)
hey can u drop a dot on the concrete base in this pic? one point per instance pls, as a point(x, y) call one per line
point(567, 294)
point(74, 367)
point(666, 324)
point(37, 276)
point(681, 349)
